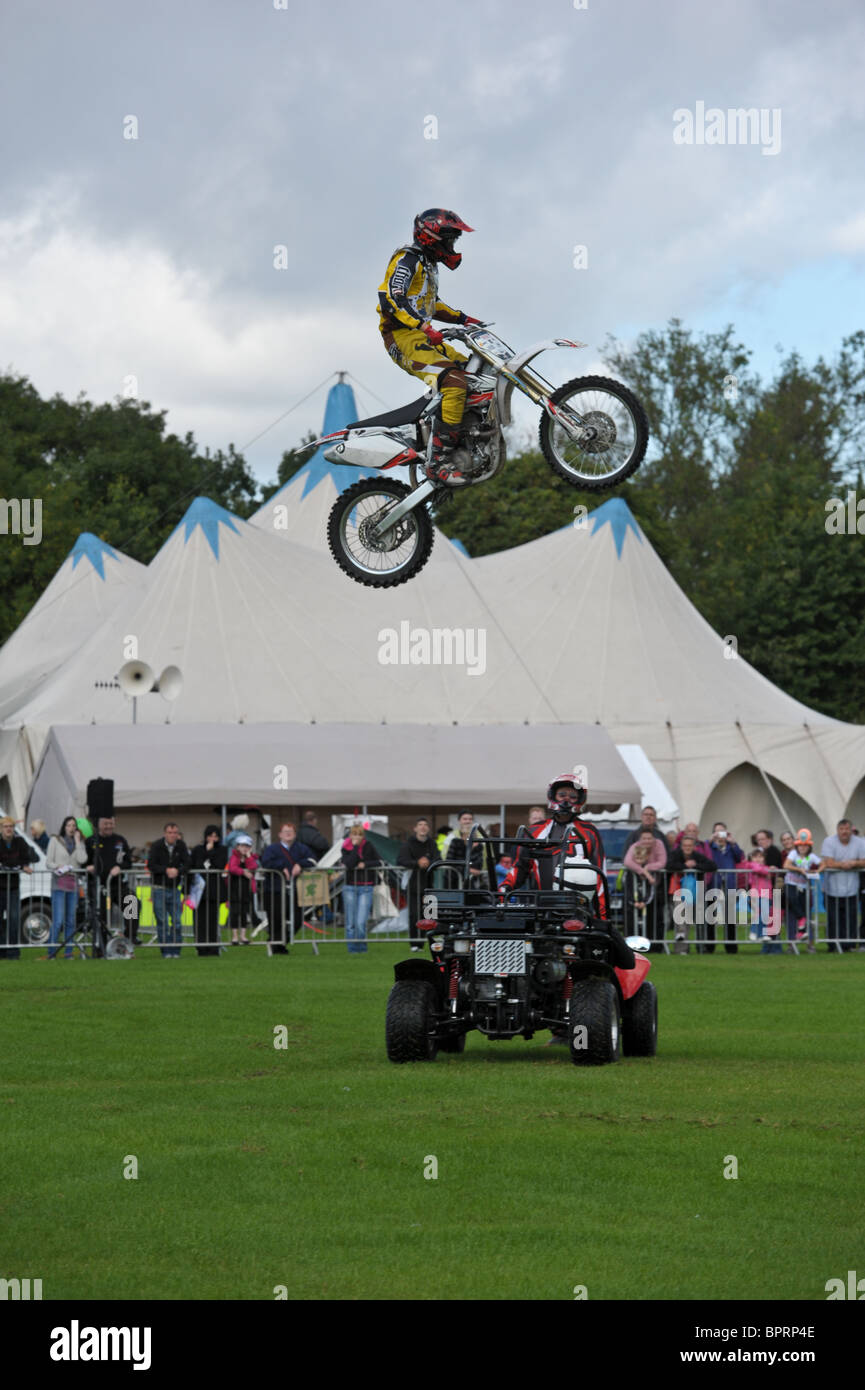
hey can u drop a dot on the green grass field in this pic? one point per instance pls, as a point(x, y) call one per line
point(304, 1166)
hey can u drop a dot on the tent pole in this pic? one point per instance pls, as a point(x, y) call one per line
point(822, 756)
point(502, 814)
point(769, 787)
point(224, 824)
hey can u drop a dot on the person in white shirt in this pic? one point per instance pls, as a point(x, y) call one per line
point(843, 856)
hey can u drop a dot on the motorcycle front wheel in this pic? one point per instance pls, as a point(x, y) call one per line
point(385, 561)
point(615, 438)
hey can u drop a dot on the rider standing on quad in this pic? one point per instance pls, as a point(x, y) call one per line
point(579, 840)
point(565, 799)
point(408, 301)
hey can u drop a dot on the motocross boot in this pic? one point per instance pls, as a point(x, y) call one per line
point(447, 456)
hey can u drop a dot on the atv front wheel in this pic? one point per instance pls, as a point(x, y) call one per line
point(640, 1022)
point(595, 1023)
point(409, 1022)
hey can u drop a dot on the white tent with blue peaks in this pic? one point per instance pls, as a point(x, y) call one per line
point(93, 579)
point(583, 626)
point(265, 631)
point(615, 640)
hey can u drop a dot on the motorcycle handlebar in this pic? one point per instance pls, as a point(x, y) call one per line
point(459, 330)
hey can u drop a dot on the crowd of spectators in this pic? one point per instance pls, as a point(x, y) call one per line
point(226, 879)
point(665, 869)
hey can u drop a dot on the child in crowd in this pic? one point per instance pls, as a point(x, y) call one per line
point(801, 866)
point(241, 888)
point(765, 922)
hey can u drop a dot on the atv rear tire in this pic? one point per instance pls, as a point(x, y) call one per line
point(595, 1023)
point(640, 1022)
point(409, 1022)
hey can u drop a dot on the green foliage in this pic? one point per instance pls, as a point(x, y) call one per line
point(109, 469)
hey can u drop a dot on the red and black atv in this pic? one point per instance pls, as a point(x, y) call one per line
point(511, 964)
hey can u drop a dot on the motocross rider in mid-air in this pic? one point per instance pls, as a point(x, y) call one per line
point(578, 840)
point(408, 301)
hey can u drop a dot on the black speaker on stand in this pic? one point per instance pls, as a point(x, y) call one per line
point(100, 803)
point(100, 799)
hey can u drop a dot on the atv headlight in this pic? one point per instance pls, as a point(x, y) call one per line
point(437, 944)
point(462, 945)
point(569, 949)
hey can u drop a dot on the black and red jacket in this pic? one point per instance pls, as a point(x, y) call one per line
point(581, 840)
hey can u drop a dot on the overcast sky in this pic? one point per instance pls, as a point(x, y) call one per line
point(304, 126)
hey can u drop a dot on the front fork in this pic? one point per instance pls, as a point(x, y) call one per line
point(416, 498)
point(539, 391)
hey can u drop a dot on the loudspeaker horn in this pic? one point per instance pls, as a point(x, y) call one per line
point(135, 678)
point(170, 683)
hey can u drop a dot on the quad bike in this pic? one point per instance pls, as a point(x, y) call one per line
point(509, 965)
point(593, 433)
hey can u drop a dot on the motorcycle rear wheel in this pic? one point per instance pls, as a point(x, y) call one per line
point(386, 563)
point(619, 443)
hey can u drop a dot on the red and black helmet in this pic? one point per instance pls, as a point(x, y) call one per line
point(436, 230)
point(567, 779)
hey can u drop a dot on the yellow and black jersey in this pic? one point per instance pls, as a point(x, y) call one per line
point(408, 295)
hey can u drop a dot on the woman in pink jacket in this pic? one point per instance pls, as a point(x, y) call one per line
point(647, 859)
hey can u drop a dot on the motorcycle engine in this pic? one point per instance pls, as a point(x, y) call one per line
point(478, 436)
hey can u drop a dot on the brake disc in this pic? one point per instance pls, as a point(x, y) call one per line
point(391, 540)
point(604, 433)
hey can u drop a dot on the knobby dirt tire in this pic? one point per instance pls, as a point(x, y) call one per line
point(410, 1010)
point(595, 1006)
point(641, 424)
point(640, 1022)
point(384, 579)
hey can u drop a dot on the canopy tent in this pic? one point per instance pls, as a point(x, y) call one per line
point(584, 626)
point(319, 764)
point(653, 791)
point(89, 585)
point(619, 642)
point(265, 631)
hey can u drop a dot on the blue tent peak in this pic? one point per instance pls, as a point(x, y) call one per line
point(209, 516)
point(339, 411)
point(92, 548)
point(616, 513)
point(458, 545)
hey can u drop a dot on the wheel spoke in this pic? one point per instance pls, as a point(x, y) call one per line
point(394, 549)
point(612, 439)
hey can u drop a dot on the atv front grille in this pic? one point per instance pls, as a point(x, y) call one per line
point(500, 957)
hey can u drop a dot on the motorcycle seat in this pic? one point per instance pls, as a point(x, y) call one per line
point(406, 415)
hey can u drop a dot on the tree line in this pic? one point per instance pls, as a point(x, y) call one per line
point(735, 494)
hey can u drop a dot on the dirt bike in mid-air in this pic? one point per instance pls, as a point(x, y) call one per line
point(593, 433)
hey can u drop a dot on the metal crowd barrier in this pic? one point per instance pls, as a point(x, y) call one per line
point(313, 911)
point(719, 908)
point(111, 922)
